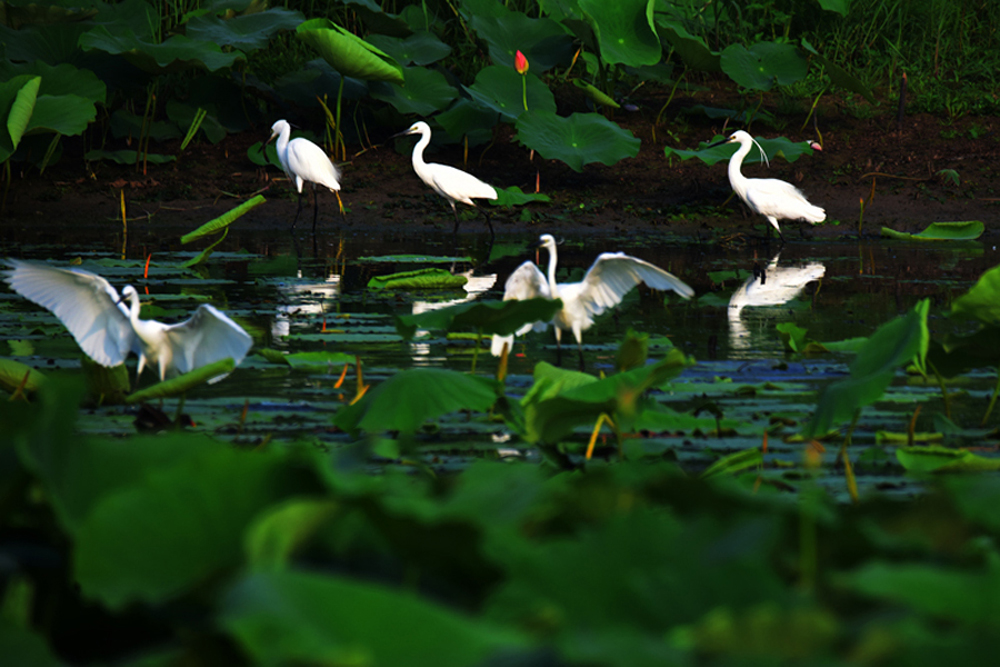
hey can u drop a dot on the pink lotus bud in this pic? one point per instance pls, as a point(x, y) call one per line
point(520, 63)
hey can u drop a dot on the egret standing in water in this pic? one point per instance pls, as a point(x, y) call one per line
point(305, 162)
point(107, 330)
point(451, 183)
point(608, 280)
point(773, 198)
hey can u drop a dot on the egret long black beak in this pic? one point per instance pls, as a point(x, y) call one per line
point(719, 143)
point(405, 132)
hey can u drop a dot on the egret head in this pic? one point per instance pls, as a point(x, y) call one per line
point(546, 241)
point(420, 127)
point(743, 138)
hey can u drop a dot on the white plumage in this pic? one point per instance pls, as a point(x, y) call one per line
point(608, 280)
point(451, 183)
point(107, 330)
point(773, 198)
point(305, 162)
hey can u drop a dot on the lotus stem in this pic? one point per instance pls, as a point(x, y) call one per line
point(944, 390)
point(524, 91)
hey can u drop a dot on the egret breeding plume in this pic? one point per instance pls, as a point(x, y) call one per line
point(107, 330)
point(773, 198)
point(305, 162)
point(608, 280)
point(451, 183)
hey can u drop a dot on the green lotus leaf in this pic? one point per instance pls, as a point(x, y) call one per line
point(182, 383)
point(20, 645)
point(838, 75)
point(177, 53)
point(22, 107)
point(427, 278)
point(500, 89)
point(488, 317)
point(576, 140)
point(62, 79)
point(247, 32)
point(421, 48)
point(299, 618)
point(625, 31)
point(935, 458)
point(467, 119)
point(902, 341)
point(299, 87)
point(320, 361)
point(514, 196)
point(954, 354)
point(409, 398)
point(64, 114)
point(773, 148)
point(424, 92)
point(349, 54)
point(12, 374)
point(224, 220)
point(692, 49)
point(542, 41)
point(983, 300)
point(839, 6)
point(595, 94)
point(763, 65)
point(967, 230)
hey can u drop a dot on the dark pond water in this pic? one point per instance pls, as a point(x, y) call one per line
point(285, 289)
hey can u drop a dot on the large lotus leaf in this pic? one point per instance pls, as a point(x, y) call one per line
point(488, 317)
point(424, 92)
point(562, 403)
point(21, 645)
point(14, 374)
point(247, 32)
point(935, 458)
point(576, 140)
point(763, 65)
point(300, 87)
point(468, 119)
point(692, 49)
point(409, 398)
point(773, 148)
point(838, 75)
point(901, 341)
point(293, 617)
point(469, 9)
point(18, 14)
point(983, 300)
point(954, 354)
point(53, 44)
point(126, 156)
point(173, 530)
point(966, 230)
point(22, 105)
point(561, 10)
point(349, 54)
point(542, 41)
point(65, 114)
point(59, 80)
point(421, 48)
point(500, 89)
point(625, 31)
point(967, 595)
point(174, 54)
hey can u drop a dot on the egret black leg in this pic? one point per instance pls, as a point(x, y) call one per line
point(489, 223)
point(297, 212)
point(455, 211)
point(579, 347)
point(315, 208)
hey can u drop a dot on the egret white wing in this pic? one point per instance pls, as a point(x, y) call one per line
point(459, 185)
point(613, 274)
point(208, 336)
point(84, 302)
point(526, 282)
point(310, 162)
point(774, 197)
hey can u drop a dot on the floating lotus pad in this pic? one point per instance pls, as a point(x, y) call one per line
point(967, 230)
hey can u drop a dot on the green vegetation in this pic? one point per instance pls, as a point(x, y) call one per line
point(131, 72)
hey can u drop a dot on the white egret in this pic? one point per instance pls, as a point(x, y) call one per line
point(304, 161)
point(608, 280)
point(451, 183)
point(773, 198)
point(107, 330)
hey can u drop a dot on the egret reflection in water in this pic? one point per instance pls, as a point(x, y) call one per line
point(303, 299)
point(772, 286)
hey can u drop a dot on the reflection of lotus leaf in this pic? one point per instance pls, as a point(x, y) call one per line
point(349, 54)
point(625, 31)
point(763, 65)
point(576, 140)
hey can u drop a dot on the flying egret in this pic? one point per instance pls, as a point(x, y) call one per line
point(773, 198)
point(608, 280)
point(451, 183)
point(304, 161)
point(107, 330)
